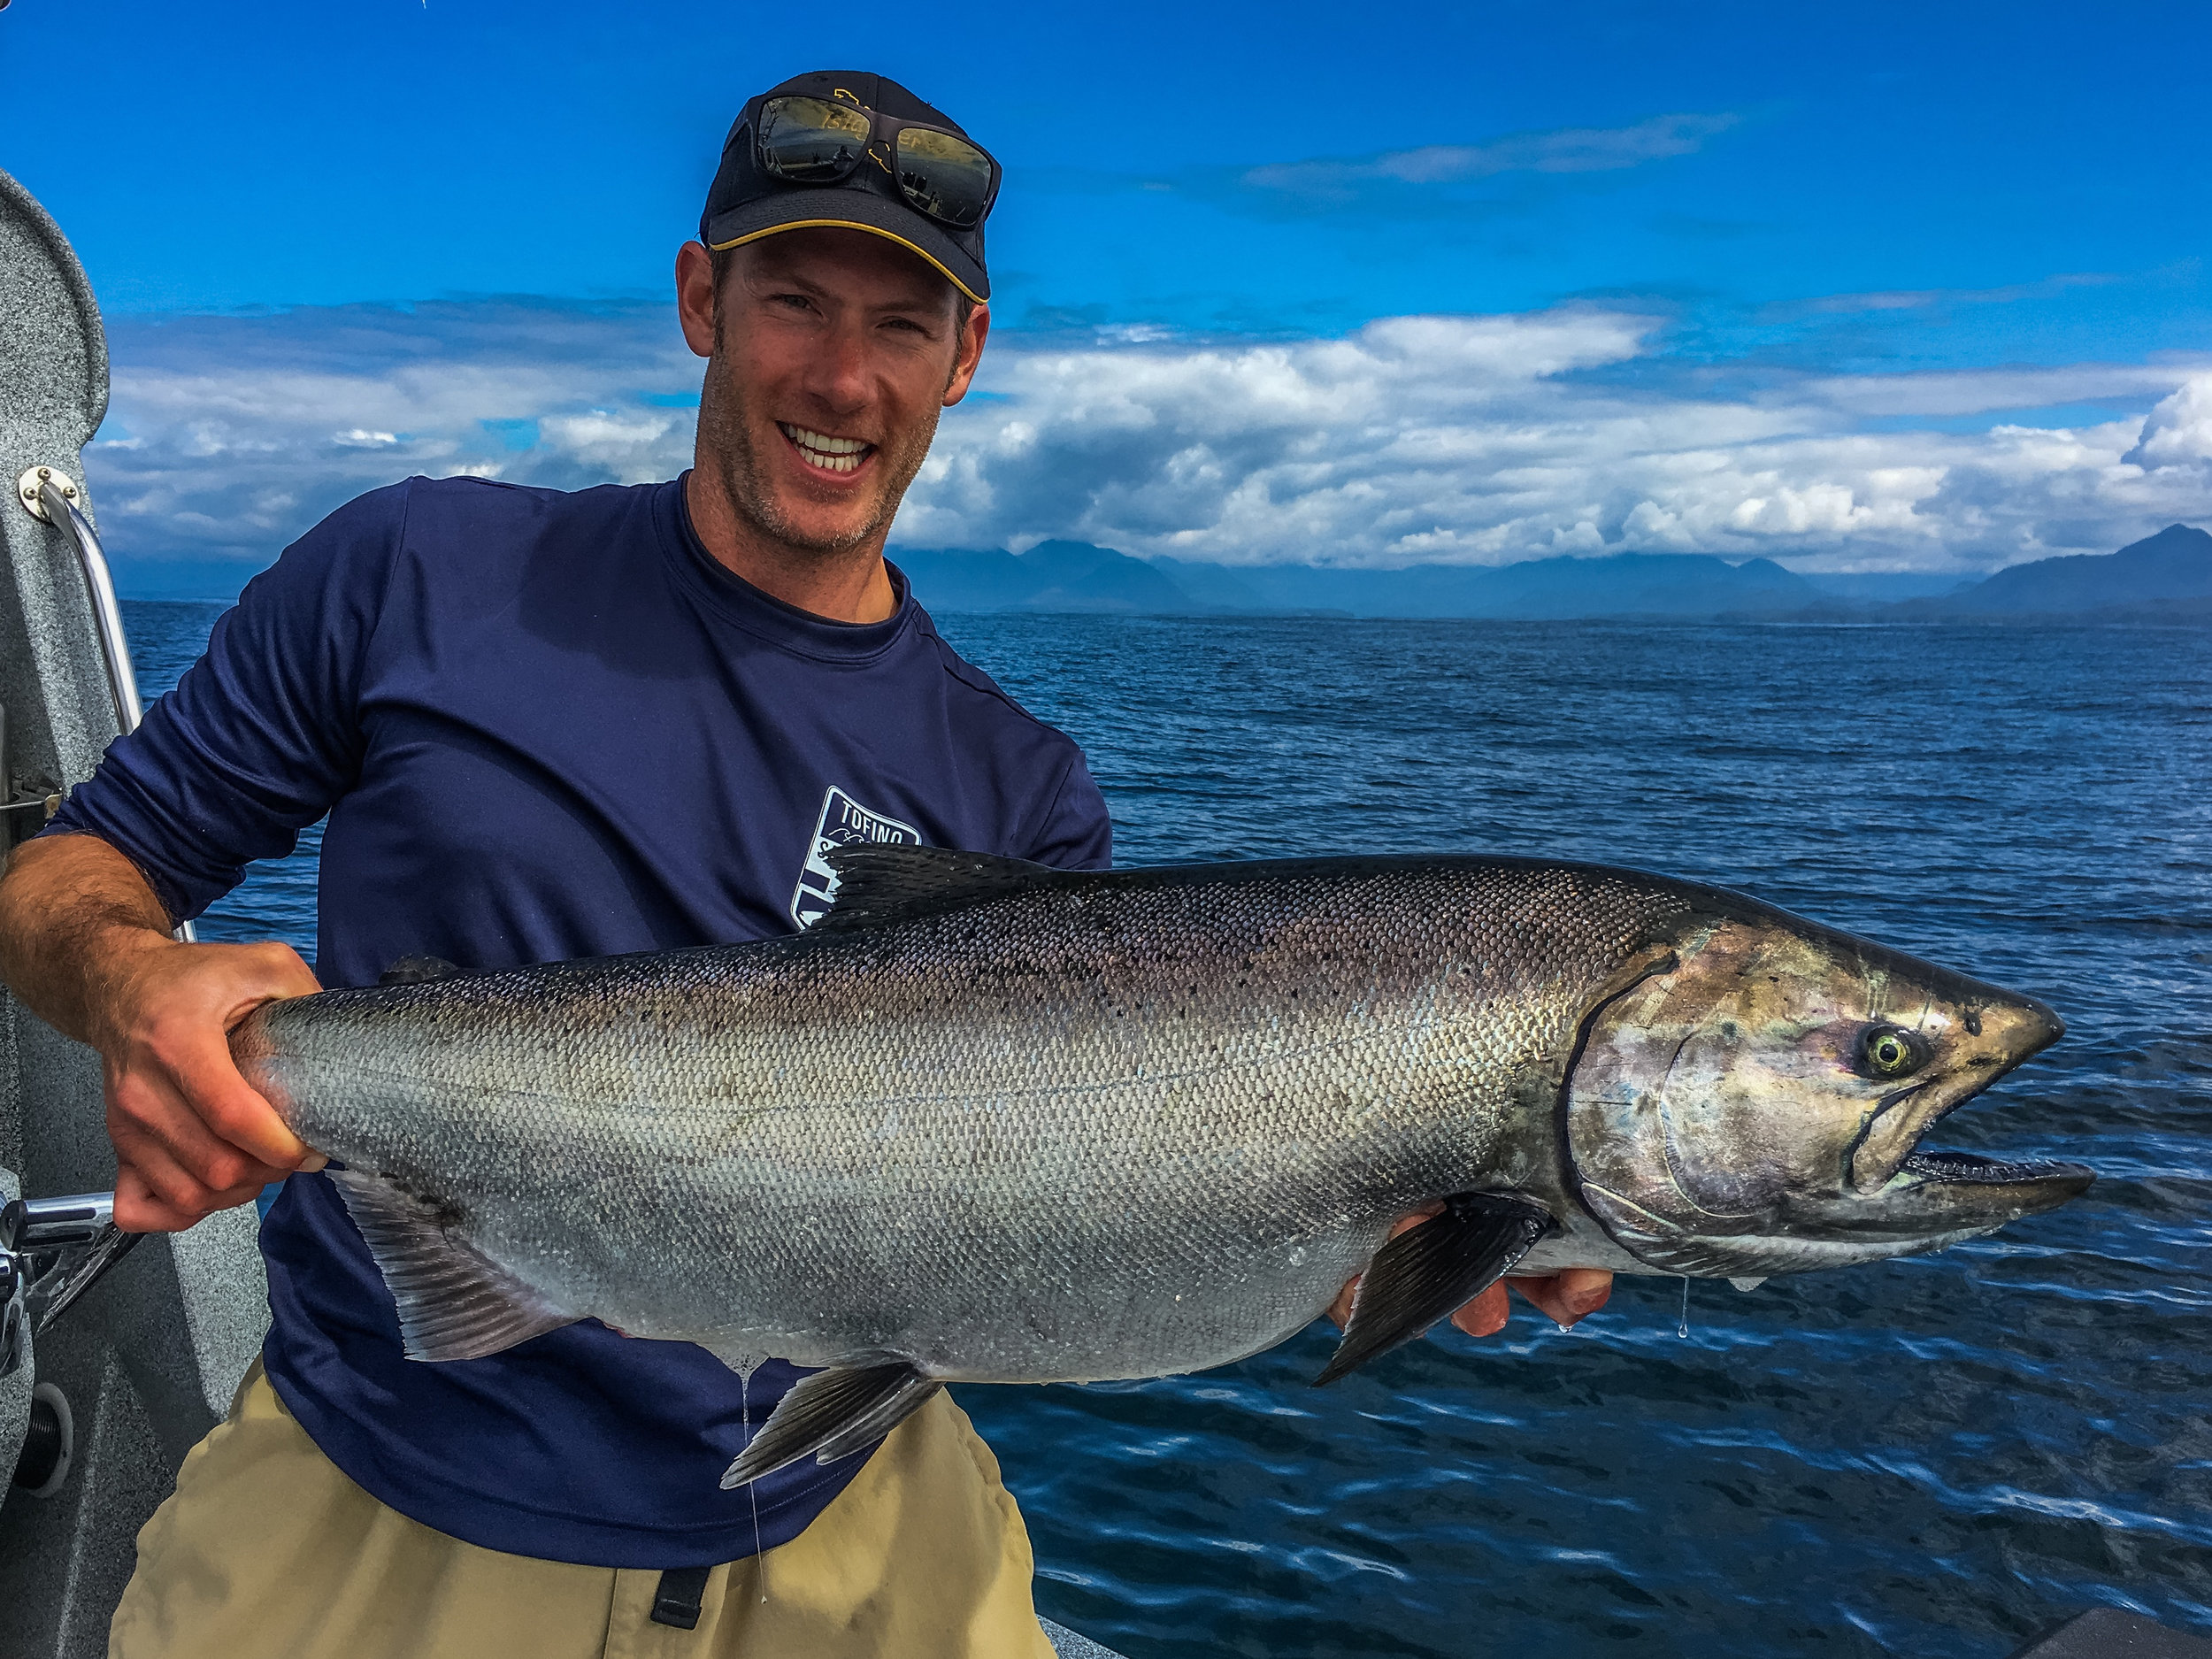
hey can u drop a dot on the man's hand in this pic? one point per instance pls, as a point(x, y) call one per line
point(86, 945)
point(1564, 1297)
point(191, 1135)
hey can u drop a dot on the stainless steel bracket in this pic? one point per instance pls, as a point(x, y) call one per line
point(51, 1252)
point(33, 480)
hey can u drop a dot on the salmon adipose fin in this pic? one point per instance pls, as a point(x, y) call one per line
point(454, 1303)
point(1424, 1273)
point(832, 1414)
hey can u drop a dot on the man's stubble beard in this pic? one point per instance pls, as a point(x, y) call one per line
point(727, 440)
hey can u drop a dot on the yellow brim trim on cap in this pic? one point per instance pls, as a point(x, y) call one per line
point(846, 223)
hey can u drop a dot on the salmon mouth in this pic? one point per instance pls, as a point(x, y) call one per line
point(1971, 1170)
point(2002, 1038)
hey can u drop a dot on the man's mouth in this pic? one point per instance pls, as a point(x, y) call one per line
point(819, 448)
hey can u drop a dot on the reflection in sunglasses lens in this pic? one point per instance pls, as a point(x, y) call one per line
point(811, 141)
point(945, 176)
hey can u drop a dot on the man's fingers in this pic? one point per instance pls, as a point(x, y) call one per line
point(1485, 1315)
point(153, 1194)
point(1568, 1295)
point(208, 1079)
point(150, 1124)
point(1340, 1310)
point(140, 1208)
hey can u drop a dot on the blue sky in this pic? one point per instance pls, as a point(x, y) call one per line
point(1795, 280)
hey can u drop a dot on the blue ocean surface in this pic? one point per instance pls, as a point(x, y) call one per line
point(1938, 1456)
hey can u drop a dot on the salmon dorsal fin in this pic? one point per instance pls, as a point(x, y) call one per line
point(454, 1303)
point(878, 884)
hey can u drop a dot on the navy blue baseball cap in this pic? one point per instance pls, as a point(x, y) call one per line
point(747, 202)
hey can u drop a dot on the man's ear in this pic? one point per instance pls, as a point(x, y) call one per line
point(968, 353)
point(695, 298)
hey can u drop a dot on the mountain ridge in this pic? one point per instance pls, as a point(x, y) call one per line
point(2163, 577)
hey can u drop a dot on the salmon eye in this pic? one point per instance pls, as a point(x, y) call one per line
point(1886, 1052)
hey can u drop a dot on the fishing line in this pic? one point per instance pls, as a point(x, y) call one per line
point(752, 1487)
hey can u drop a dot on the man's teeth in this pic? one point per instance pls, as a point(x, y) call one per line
point(833, 455)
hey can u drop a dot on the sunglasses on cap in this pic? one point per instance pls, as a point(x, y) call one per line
point(816, 141)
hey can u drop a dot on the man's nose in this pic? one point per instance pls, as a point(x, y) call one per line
point(838, 375)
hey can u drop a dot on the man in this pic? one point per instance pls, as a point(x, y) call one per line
point(543, 726)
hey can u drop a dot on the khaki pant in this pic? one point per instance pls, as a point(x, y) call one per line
point(267, 1551)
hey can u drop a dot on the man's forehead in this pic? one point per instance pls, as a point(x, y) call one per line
point(840, 257)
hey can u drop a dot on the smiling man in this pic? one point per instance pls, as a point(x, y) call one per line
point(546, 726)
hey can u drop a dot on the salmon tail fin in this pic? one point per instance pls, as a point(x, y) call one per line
point(1427, 1271)
point(454, 1303)
point(832, 1414)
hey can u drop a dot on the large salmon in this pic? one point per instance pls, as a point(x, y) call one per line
point(991, 1122)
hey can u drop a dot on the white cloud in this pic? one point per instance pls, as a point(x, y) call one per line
point(2179, 430)
point(1415, 438)
point(1474, 439)
point(1568, 149)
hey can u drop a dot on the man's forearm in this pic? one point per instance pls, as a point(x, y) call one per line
point(73, 912)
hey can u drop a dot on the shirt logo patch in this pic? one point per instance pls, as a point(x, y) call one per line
point(844, 822)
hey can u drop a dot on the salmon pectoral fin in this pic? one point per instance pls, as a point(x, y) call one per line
point(454, 1301)
point(1427, 1271)
point(832, 1414)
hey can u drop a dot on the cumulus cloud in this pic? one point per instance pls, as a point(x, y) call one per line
point(226, 436)
point(1484, 440)
point(1412, 439)
point(2179, 430)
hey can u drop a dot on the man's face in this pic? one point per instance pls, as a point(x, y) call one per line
point(831, 354)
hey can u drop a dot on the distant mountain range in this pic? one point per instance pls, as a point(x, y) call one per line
point(2165, 577)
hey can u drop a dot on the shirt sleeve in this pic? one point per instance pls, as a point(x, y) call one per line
point(1077, 834)
point(262, 735)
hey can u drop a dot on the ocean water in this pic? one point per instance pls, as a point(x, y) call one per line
point(1938, 1456)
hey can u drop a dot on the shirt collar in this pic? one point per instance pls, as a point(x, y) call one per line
point(764, 615)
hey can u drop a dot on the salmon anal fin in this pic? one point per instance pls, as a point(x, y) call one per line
point(1427, 1271)
point(832, 1414)
point(878, 884)
point(454, 1303)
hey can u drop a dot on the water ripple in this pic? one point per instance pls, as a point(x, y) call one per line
point(1934, 1459)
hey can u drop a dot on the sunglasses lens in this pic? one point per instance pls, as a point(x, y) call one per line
point(811, 141)
point(944, 175)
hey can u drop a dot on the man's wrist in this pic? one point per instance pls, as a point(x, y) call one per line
point(119, 955)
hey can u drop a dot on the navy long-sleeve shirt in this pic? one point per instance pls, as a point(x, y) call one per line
point(547, 726)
